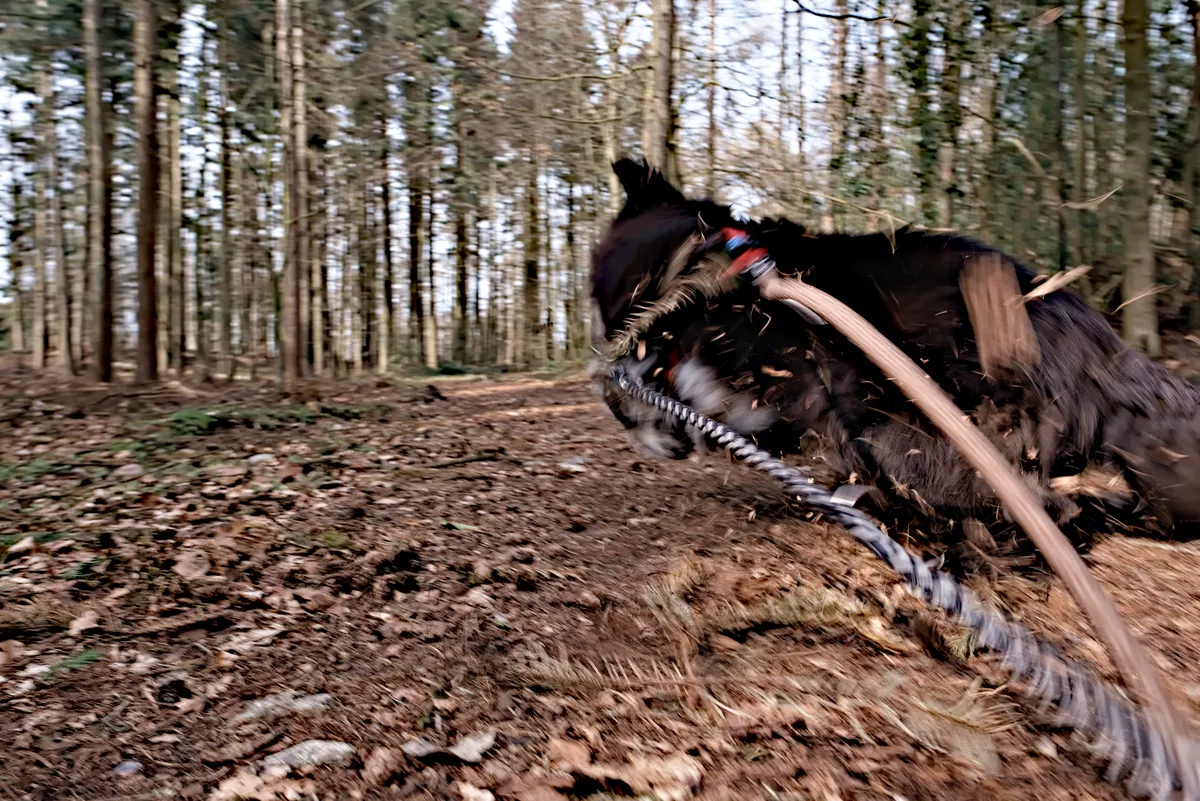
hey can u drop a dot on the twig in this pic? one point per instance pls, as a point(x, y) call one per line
point(1057, 282)
point(482, 456)
point(826, 15)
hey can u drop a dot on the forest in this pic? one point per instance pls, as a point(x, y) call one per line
point(249, 552)
point(235, 187)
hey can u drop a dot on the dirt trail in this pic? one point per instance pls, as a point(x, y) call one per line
point(495, 567)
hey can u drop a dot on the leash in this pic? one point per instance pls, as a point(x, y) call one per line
point(1153, 758)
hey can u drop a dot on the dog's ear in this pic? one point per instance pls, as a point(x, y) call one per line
point(644, 187)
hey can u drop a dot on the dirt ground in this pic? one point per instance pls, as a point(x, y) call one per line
point(480, 592)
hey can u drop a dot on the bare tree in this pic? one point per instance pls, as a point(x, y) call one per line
point(145, 48)
point(99, 199)
point(1140, 318)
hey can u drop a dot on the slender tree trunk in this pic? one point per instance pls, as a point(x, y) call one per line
point(431, 334)
point(1103, 145)
point(801, 113)
point(289, 329)
point(1191, 167)
point(951, 110)
point(41, 240)
point(225, 301)
point(1080, 252)
point(1056, 184)
point(416, 226)
point(303, 238)
point(319, 277)
point(836, 110)
point(99, 199)
point(459, 201)
point(177, 283)
point(710, 104)
point(201, 265)
point(879, 151)
point(531, 348)
point(1140, 317)
point(922, 113)
point(56, 236)
point(987, 143)
point(657, 138)
point(145, 43)
point(388, 309)
point(16, 251)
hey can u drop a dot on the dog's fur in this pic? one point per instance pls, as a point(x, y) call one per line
point(1090, 400)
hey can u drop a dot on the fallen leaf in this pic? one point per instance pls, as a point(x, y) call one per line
point(192, 564)
point(672, 778)
point(570, 754)
point(381, 764)
point(470, 792)
point(86, 622)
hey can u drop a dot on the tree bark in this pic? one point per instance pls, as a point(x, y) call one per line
point(416, 226)
point(1079, 178)
point(459, 201)
point(303, 238)
point(289, 328)
point(1140, 317)
point(657, 134)
point(951, 110)
point(176, 280)
point(225, 276)
point(146, 45)
point(835, 105)
point(922, 114)
point(710, 104)
point(16, 252)
point(532, 349)
point(56, 233)
point(41, 240)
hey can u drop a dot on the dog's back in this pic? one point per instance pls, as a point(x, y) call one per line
point(1088, 400)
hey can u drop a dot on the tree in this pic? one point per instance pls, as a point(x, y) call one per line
point(146, 45)
point(1140, 319)
point(658, 131)
point(99, 199)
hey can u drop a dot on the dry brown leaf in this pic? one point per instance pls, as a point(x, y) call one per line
point(673, 778)
point(86, 622)
point(192, 564)
point(381, 764)
point(569, 754)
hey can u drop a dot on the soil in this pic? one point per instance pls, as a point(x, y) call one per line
point(484, 593)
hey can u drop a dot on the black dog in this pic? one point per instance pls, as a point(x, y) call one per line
point(1088, 405)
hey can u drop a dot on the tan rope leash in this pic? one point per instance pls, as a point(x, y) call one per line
point(981, 454)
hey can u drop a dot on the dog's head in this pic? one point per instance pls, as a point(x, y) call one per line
point(659, 238)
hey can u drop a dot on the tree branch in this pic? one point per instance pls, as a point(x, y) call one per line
point(825, 15)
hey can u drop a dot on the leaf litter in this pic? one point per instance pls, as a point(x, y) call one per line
point(446, 598)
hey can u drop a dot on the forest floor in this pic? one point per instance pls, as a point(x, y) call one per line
point(482, 592)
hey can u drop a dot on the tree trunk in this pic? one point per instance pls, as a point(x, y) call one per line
point(1056, 184)
point(201, 264)
point(289, 328)
point(459, 202)
point(416, 226)
point(387, 320)
point(176, 281)
point(657, 134)
point(988, 84)
point(431, 337)
point(1079, 250)
point(225, 299)
point(319, 277)
point(1140, 317)
point(57, 238)
point(16, 255)
point(710, 104)
point(951, 110)
point(835, 105)
point(41, 240)
point(922, 113)
point(303, 239)
point(146, 45)
point(1191, 166)
point(531, 347)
